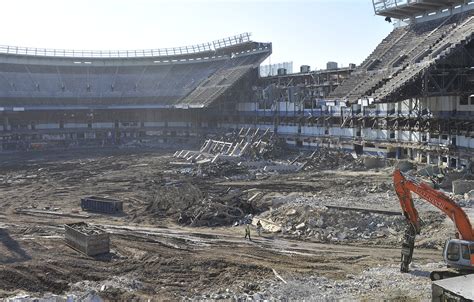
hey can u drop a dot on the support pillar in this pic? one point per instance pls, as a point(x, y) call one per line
point(6, 125)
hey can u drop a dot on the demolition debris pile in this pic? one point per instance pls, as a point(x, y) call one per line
point(254, 150)
point(326, 159)
point(324, 220)
point(186, 204)
point(146, 246)
point(247, 143)
point(375, 284)
point(250, 152)
point(325, 224)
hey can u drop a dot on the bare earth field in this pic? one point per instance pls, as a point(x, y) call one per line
point(155, 256)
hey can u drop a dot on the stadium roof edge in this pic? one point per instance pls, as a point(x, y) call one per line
point(403, 9)
point(114, 54)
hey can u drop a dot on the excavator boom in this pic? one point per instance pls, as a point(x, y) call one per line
point(404, 186)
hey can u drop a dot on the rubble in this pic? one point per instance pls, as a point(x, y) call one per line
point(333, 225)
point(405, 165)
point(462, 186)
point(373, 162)
point(448, 179)
point(315, 219)
point(247, 143)
point(188, 205)
point(469, 195)
point(87, 297)
point(374, 284)
point(163, 243)
point(329, 159)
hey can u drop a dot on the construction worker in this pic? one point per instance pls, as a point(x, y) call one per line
point(259, 228)
point(247, 231)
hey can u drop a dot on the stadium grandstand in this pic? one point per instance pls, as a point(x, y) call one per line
point(412, 97)
point(405, 54)
point(70, 95)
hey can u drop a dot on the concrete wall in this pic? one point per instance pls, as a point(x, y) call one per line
point(466, 142)
point(74, 125)
point(178, 124)
point(103, 125)
point(154, 124)
point(47, 126)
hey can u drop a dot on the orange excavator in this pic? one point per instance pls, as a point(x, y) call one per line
point(458, 253)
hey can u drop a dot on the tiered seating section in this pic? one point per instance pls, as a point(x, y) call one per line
point(444, 46)
point(403, 55)
point(168, 83)
point(214, 86)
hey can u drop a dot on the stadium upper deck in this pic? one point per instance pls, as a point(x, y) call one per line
point(407, 53)
point(401, 9)
point(184, 77)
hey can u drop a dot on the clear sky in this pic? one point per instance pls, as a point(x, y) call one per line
point(308, 32)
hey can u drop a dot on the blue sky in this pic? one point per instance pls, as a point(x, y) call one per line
point(303, 31)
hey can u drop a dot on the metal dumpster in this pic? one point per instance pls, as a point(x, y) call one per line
point(101, 205)
point(87, 239)
point(453, 289)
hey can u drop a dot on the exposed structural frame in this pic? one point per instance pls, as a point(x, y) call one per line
point(450, 76)
point(210, 46)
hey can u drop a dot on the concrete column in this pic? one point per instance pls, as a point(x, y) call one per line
point(6, 125)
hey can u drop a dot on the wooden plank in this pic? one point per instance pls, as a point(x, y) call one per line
point(41, 212)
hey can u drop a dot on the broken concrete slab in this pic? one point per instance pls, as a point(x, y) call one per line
point(461, 186)
point(267, 225)
point(283, 168)
point(430, 170)
point(374, 162)
point(469, 195)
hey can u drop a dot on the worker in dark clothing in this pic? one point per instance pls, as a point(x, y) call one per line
point(247, 231)
point(259, 228)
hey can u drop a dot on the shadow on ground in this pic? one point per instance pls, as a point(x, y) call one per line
point(17, 253)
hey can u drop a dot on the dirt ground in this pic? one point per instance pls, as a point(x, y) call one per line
point(152, 256)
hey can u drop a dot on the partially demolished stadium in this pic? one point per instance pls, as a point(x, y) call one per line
point(413, 96)
point(184, 174)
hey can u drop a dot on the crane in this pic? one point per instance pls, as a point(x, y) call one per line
point(458, 253)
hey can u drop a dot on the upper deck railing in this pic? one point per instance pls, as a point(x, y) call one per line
point(381, 6)
point(192, 49)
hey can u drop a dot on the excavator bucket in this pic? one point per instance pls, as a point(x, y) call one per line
point(408, 246)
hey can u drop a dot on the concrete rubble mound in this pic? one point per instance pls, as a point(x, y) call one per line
point(325, 224)
point(316, 220)
point(188, 205)
point(326, 159)
point(459, 181)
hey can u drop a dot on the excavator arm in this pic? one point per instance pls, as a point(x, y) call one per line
point(404, 185)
